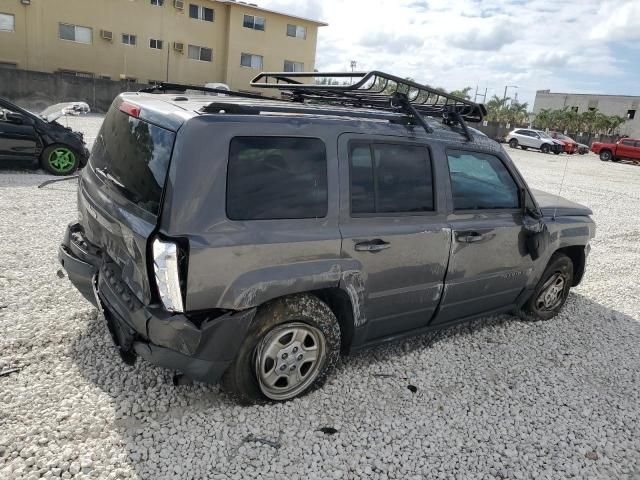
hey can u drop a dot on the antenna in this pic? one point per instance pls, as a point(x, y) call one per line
point(564, 174)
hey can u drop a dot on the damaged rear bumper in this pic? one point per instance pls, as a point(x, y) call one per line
point(202, 348)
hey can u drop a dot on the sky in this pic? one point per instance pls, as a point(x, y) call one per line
point(579, 46)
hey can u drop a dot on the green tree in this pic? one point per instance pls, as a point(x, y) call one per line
point(464, 93)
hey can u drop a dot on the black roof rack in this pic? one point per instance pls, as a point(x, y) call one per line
point(387, 94)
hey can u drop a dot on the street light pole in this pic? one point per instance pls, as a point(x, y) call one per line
point(504, 97)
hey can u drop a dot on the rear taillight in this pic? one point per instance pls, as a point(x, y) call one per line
point(167, 273)
point(130, 109)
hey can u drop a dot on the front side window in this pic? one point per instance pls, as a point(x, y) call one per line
point(628, 143)
point(155, 44)
point(275, 178)
point(75, 33)
point(296, 31)
point(129, 39)
point(390, 178)
point(290, 66)
point(200, 53)
point(7, 22)
point(201, 13)
point(480, 181)
point(251, 21)
point(251, 61)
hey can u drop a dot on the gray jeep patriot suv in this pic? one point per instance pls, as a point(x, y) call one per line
point(252, 240)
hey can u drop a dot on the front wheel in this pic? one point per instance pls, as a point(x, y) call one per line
point(552, 290)
point(545, 148)
point(556, 152)
point(291, 348)
point(59, 160)
point(524, 148)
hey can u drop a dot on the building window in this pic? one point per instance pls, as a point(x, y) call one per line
point(104, 77)
point(251, 61)
point(296, 31)
point(290, 66)
point(251, 21)
point(201, 13)
point(200, 53)
point(154, 82)
point(631, 114)
point(156, 44)
point(157, 3)
point(74, 33)
point(129, 39)
point(8, 65)
point(7, 22)
point(73, 73)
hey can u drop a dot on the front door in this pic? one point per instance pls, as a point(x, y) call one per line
point(627, 149)
point(18, 141)
point(489, 264)
point(391, 225)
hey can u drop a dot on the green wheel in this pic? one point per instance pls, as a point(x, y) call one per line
point(59, 160)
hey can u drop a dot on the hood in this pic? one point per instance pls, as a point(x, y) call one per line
point(558, 142)
point(52, 113)
point(550, 203)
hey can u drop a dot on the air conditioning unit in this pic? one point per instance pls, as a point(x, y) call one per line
point(179, 4)
point(106, 34)
point(178, 46)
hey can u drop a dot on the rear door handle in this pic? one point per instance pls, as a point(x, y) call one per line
point(469, 237)
point(372, 245)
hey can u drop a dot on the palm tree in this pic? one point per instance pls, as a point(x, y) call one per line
point(464, 93)
point(497, 109)
point(544, 119)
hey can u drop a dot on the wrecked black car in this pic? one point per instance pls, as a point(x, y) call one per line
point(31, 139)
point(254, 240)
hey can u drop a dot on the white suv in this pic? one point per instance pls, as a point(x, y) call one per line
point(528, 138)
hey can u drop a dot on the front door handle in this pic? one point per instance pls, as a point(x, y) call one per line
point(372, 245)
point(469, 237)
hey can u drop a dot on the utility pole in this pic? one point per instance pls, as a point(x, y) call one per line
point(505, 91)
point(354, 64)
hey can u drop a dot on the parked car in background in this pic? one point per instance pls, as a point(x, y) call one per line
point(583, 149)
point(38, 139)
point(298, 232)
point(526, 138)
point(570, 145)
point(626, 148)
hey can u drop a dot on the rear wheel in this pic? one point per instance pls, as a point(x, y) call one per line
point(290, 349)
point(59, 160)
point(552, 290)
point(513, 143)
point(605, 155)
point(545, 148)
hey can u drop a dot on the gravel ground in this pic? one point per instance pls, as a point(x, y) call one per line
point(497, 399)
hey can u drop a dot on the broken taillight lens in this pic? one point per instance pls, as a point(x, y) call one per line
point(166, 269)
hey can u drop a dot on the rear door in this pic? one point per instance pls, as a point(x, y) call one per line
point(524, 138)
point(393, 222)
point(489, 262)
point(121, 191)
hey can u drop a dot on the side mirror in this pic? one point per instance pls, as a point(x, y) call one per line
point(16, 118)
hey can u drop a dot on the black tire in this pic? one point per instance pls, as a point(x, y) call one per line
point(513, 143)
point(615, 159)
point(241, 378)
point(52, 165)
point(556, 152)
point(545, 148)
point(524, 148)
point(536, 307)
point(605, 155)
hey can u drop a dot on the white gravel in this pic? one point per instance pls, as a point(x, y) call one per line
point(497, 399)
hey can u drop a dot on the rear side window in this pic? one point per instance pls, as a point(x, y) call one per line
point(273, 178)
point(480, 181)
point(390, 178)
point(133, 157)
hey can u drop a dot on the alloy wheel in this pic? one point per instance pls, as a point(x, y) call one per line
point(288, 359)
point(62, 160)
point(552, 293)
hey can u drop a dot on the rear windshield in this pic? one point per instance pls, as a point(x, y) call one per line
point(133, 156)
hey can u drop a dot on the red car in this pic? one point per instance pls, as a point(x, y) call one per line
point(570, 145)
point(626, 148)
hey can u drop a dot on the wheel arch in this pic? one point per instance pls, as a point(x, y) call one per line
point(578, 257)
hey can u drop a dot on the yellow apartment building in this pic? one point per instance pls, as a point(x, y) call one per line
point(181, 41)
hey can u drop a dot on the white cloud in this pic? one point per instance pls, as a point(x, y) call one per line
point(537, 44)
